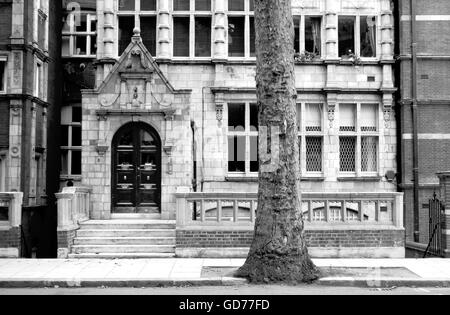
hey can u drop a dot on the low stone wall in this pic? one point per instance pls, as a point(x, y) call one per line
point(322, 243)
point(10, 242)
point(65, 242)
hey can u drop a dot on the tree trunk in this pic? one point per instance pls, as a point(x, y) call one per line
point(278, 252)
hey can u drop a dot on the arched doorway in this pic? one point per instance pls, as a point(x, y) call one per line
point(136, 170)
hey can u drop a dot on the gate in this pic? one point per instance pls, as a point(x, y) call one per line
point(435, 243)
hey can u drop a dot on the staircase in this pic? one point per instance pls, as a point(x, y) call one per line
point(125, 239)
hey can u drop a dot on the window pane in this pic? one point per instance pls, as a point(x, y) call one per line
point(236, 117)
point(202, 36)
point(347, 154)
point(126, 26)
point(369, 117)
point(313, 117)
point(297, 33)
point(76, 114)
point(93, 45)
point(252, 5)
point(65, 46)
point(203, 5)
point(64, 136)
point(181, 36)
point(299, 116)
point(347, 117)
point(65, 162)
point(368, 36)
point(148, 26)
point(82, 25)
point(236, 154)
point(2, 76)
point(181, 5)
point(252, 37)
point(76, 163)
point(254, 117)
point(313, 35)
point(236, 5)
point(76, 136)
point(148, 5)
point(80, 45)
point(93, 23)
point(314, 154)
point(236, 38)
point(126, 5)
point(369, 149)
point(254, 163)
point(346, 36)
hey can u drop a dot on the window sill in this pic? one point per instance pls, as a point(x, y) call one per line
point(312, 179)
point(360, 179)
point(71, 177)
point(242, 179)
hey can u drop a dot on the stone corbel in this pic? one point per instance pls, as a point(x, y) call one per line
point(219, 107)
point(102, 149)
point(387, 109)
point(331, 104)
point(168, 149)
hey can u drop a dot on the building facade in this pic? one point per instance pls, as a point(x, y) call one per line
point(160, 100)
point(424, 110)
point(27, 52)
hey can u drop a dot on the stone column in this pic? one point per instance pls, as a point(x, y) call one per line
point(386, 31)
point(15, 146)
point(32, 159)
point(331, 27)
point(163, 52)
point(109, 38)
point(445, 199)
point(220, 31)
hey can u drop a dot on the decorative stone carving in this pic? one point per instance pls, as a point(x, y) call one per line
point(331, 103)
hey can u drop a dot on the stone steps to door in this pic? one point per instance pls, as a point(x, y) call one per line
point(124, 241)
point(101, 249)
point(121, 255)
point(126, 233)
point(128, 225)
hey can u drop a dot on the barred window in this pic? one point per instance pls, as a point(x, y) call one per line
point(243, 138)
point(310, 126)
point(347, 154)
point(347, 117)
point(369, 117)
point(369, 153)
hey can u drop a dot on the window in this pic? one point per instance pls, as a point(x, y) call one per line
point(140, 14)
point(192, 28)
point(243, 138)
point(358, 140)
point(79, 35)
point(241, 29)
point(357, 36)
point(71, 140)
point(308, 34)
point(310, 123)
point(38, 80)
point(2, 76)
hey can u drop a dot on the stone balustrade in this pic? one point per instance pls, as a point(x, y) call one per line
point(73, 207)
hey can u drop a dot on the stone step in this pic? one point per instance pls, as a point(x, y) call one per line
point(121, 256)
point(128, 224)
point(126, 233)
point(104, 249)
point(124, 241)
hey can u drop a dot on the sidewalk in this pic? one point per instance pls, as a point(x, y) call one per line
point(182, 272)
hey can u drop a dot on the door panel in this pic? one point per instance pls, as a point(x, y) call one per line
point(137, 170)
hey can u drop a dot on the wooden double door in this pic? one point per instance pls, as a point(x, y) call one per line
point(136, 170)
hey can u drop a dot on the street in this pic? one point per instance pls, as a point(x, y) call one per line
point(250, 290)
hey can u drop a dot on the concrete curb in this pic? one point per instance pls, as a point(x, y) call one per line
point(384, 283)
point(119, 283)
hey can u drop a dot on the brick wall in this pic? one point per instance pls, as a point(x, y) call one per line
point(314, 238)
point(65, 238)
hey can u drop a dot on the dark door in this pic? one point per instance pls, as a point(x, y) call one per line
point(136, 170)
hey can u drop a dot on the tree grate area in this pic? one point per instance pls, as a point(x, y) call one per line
point(369, 272)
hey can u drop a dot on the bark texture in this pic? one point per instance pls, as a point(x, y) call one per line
point(278, 252)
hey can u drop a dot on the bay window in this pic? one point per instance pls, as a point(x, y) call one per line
point(243, 138)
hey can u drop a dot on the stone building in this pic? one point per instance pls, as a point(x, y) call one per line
point(423, 109)
point(27, 54)
point(160, 105)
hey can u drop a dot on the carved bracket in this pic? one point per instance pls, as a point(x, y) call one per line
point(331, 103)
point(102, 149)
point(219, 111)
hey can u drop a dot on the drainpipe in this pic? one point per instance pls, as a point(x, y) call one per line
point(414, 110)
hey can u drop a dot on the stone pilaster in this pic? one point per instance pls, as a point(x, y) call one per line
point(220, 30)
point(386, 31)
point(32, 165)
point(164, 30)
point(331, 28)
point(445, 199)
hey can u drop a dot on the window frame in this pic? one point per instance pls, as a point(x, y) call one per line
point(247, 133)
point(359, 134)
point(247, 14)
point(137, 13)
point(4, 88)
point(72, 33)
point(192, 14)
point(357, 35)
point(303, 134)
point(302, 33)
point(69, 147)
